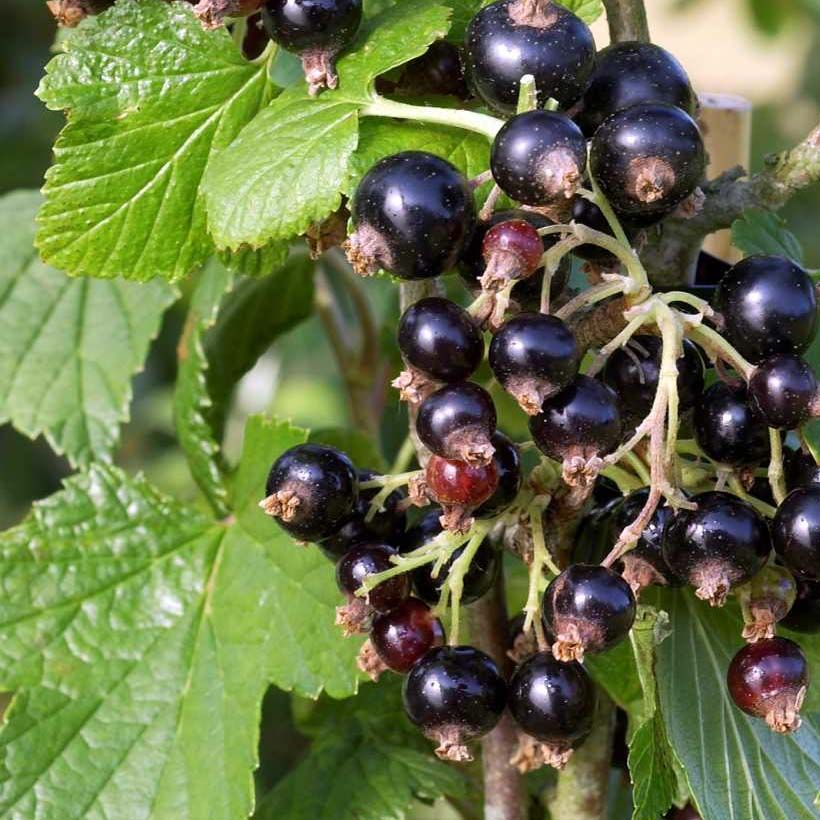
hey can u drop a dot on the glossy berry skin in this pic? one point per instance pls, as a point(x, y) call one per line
point(801, 469)
point(455, 689)
point(728, 428)
point(498, 52)
point(445, 417)
point(423, 531)
point(414, 214)
point(318, 488)
point(721, 544)
point(507, 462)
point(457, 482)
point(589, 605)
point(437, 71)
point(439, 338)
point(405, 634)
point(632, 73)
point(648, 158)
point(539, 157)
point(478, 579)
point(633, 374)
point(364, 560)
point(796, 532)
point(301, 25)
point(804, 616)
point(769, 306)
point(583, 419)
point(782, 389)
point(553, 702)
point(519, 239)
point(764, 676)
point(534, 356)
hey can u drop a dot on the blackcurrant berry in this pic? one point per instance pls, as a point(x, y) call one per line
point(387, 524)
point(534, 356)
point(768, 306)
point(405, 634)
point(539, 157)
point(478, 580)
point(454, 694)
point(414, 215)
point(597, 531)
point(457, 483)
point(507, 462)
point(553, 702)
point(511, 38)
point(783, 389)
point(457, 422)
point(423, 531)
point(440, 339)
point(256, 38)
point(804, 616)
point(796, 532)
point(581, 421)
point(717, 546)
point(511, 250)
point(317, 30)
point(769, 679)
point(311, 491)
point(728, 428)
point(587, 608)
point(648, 158)
point(437, 71)
point(633, 372)
point(801, 468)
point(632, 73)
point(364, 560)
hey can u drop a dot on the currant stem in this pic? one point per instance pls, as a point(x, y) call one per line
point(596, 293)
point(540, 559)
point(718, 347)
point(777, 479)
point(455, 578)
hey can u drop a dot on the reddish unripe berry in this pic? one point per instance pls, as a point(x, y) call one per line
point(518, 239)
point(768, 679)
point(403, 636)
point(457, 482)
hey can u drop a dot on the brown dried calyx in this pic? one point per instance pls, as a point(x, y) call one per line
point(450, 744)
point(367, 251)
point(534, 13)
point(530, 392)
point(369, 662)
point(572, 637)
point(456, 518)
point(470, 444)
point(413, 386)
point(70, 13)
point(213, 13)
point(532, 754)
point(354, 617)
point(649, 179)
point(712, 583)
point(282, 505)
point(558, 174)
point(580, 468)
point(639, 573)
point(329, 233)
point(783, 711)
point(319, 66)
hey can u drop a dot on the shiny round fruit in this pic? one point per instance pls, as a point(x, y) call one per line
point(457, 482)
point(423, 531)
point(783, 389)
point(507, 462)
point(364, 560)
point(404, 635)
point(804, 616)
point(437, 71)
point(801, 468)
point(796, 532)
point(301, 25)
point(518, 239)
point(478, 580)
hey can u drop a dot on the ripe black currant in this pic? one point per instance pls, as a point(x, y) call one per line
point(403, 635)
point(414, 215)
point(769, 679)
point(510, 38)
point(796, 532)
point(457, 483)
point(632, 73)
point(478, 579)
point(539, 157)
point(437, 71)
point(581, 421)
point(364, 560)
point(633, 372)
point(534, 356)
point(553, 702)
point(311, 490)
point(424, 530)
point(507, 462)
point(801, 468)
point(783, 389)
point(728, 428)
point(648, 158)
point(440, 339)
point(587, 608)
point(317, 30)
point(454, 694)
point(804, 616)
point(457, 422)
point(717, 546)
point(768, 306)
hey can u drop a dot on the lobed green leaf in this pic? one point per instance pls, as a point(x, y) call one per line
point(765, 232)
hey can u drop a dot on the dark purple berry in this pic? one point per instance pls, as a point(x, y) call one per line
point(796, 532)
point(414, 215)
point(509, 39)
point(804, 616)
point(364, 560)
point(768, 306)
point(801, 468)
point(769, 679)
point(405, 634)
point(534, 356)
point(478, 580)
point(647, 159)
point(783, 389)
point(507, 462)
point(728, 428)
point(423, 531)
point(440, 339)
point(256, 38)
point(718, 546)
point(311, 491)
point(539, 158)
point(587, 608)
point(454, 694)
point(453, 482)
point(437, 71)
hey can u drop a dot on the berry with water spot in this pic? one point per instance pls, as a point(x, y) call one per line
point(796, 532)
point(783, 389)
point(404, 635)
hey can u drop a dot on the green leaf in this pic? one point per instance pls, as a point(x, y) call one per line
point(735, 766)
point(765, 232)
point(616, 671)
point(259, 262)
point(361, 448)
point(68, 347)
point(141, 637)
point(370, 763)
point(463, 12)
point(588, 10)
point(151, 99)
